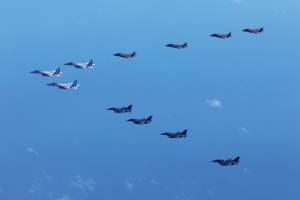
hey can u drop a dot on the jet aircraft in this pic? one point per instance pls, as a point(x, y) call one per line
point(223, 36)
point(255, 31)
point(121, 110)
point(176, 135)
point(48, 73)
point(81, 65)
point(228, 161)
point(141, 121)
point(125, 55)
point(178, 46)
point(73, 85)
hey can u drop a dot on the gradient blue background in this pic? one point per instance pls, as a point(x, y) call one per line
point(64, 144)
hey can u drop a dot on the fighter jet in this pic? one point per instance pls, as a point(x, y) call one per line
point(48, 73)
point(125, 55)
point(73, 85)
point(178, 46)
point(141, 121)
point(223, 36)
point(255, 31)
point(121, 110)
point(81, 65)
point(228, 161)
point(176, 135)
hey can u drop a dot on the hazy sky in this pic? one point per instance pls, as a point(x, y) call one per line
point(237, 97)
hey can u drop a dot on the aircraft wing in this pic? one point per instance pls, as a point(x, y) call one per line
point(65, 85)
point(49, 73)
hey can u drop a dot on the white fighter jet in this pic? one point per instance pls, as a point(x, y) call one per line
point(48, 73)
point(73, 85)
point(81, 65)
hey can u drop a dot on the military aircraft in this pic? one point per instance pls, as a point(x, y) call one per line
point(228, 161)
point(48, 73)
point(223, 36)
point(81, 65)
point(73, 85)
point(125, 55)
point(176, 135)
point(255, 31)
point(121, 110)
point(178, 46)
point(141, 121)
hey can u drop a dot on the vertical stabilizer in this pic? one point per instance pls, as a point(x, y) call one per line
point(57, 72)
point(90, 64)
point(261, 29)
point(74, 84)
point(133, 54)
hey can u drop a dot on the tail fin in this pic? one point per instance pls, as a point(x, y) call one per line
point(261, 29)
point(129, 107)
point(90, 64)
point(133, 54)
point(228, 35)
point(185, 44)
point(184, 132)
point(149, 118)
point(57, 72)
point(74, 84)
point(236, 159)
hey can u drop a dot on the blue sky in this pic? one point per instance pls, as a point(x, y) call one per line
point(64, 144)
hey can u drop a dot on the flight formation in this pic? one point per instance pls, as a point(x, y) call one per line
point(128, 109)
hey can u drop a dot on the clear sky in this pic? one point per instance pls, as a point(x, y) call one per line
point(237, 97)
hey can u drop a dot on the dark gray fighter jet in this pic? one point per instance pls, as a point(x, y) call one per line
point(81, 65)
point(223, 36)
point(121, 110)
point(178, 46)
point(125, 55)
point(228, 161)
point(48, 73)
point(176, 135)
point(141, 121)
point(255, 31)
